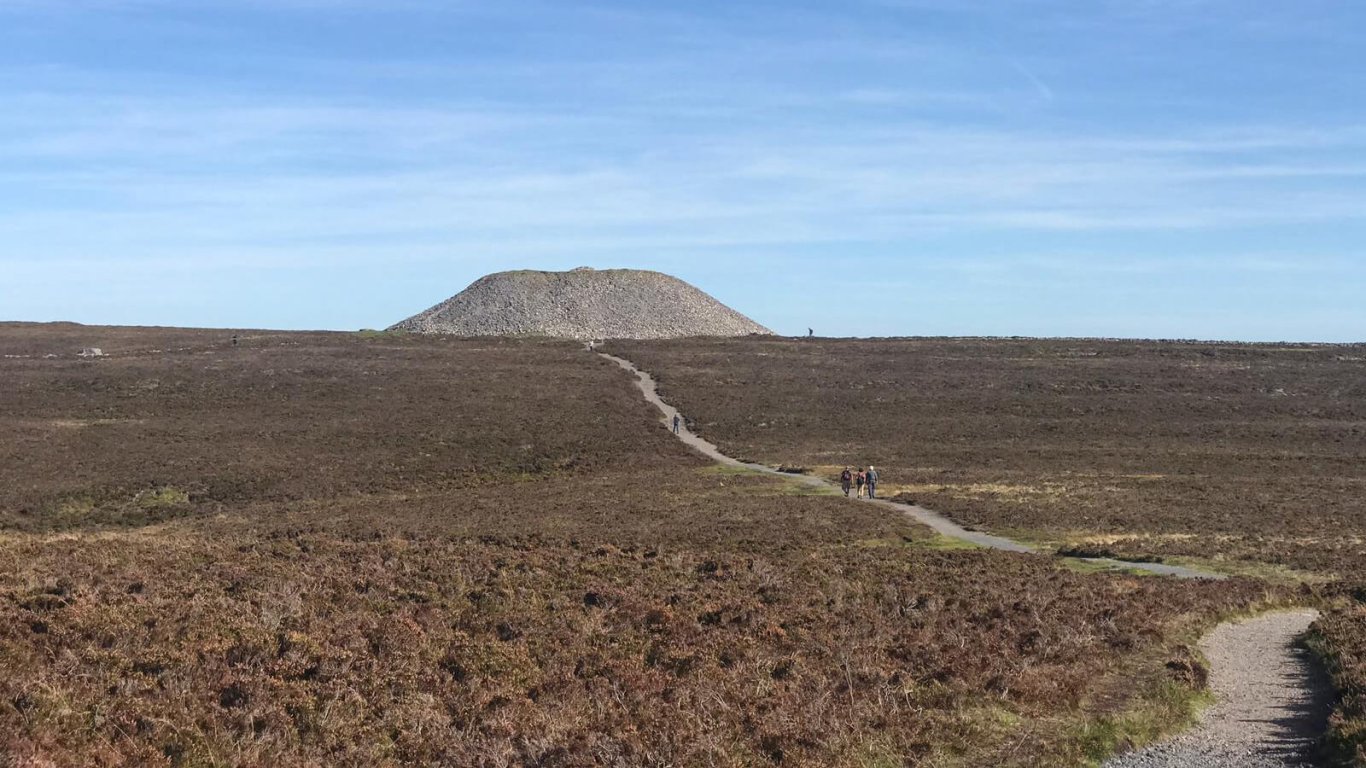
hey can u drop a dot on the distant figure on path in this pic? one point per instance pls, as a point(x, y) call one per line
point(810, 333)
point(871, 480)
point(846, 480)
point(678, 420)
point(859, 480)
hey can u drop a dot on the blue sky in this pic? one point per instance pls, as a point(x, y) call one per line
point(1158, 168)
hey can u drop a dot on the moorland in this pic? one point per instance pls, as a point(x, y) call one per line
point(379, 549)
point(1245, 458)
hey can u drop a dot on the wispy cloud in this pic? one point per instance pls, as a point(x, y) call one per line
point(1039, 86)
point(664, 132)
point(476, 176)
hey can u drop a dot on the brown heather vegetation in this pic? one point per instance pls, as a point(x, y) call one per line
point(334, 549)
point(1253, 453)
point(1340, 639)
point(295, 416)
point(1250, 458)
point(285, 641)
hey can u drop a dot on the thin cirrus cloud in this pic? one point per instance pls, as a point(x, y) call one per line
point(817, 189)
point(482, 159)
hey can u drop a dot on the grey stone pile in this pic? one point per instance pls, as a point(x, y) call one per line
point(582, 304)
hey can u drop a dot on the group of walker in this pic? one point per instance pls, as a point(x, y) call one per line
point(864, 481)
point(861, 482)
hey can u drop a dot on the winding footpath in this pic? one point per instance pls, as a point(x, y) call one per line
point(937, 522)
point(1271, 699)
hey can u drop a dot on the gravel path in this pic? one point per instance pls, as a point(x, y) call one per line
point(1272, 701)
point(933, 520)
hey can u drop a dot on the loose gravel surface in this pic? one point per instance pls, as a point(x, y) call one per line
point(583, 304)
point(1272, 701)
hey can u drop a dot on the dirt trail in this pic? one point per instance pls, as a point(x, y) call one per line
point(933, 520)
point(1272, 701)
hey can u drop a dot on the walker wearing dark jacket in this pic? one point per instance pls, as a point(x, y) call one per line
point(871, 479)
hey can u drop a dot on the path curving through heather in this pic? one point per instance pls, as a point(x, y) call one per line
point(935, 521)
point(1271, 701)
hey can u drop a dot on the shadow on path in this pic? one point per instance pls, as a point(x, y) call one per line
point(1272, 701)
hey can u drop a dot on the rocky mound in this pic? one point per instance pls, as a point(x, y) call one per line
point(582, 304)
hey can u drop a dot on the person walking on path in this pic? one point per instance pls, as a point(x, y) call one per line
point(859, 480)
point(871, 479)
point(846, 480)
point(678, 422)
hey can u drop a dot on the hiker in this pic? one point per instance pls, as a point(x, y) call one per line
point(846, 480)
point(859, 480)
point(677, 421)
point(871, 480)
point(810, 333)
